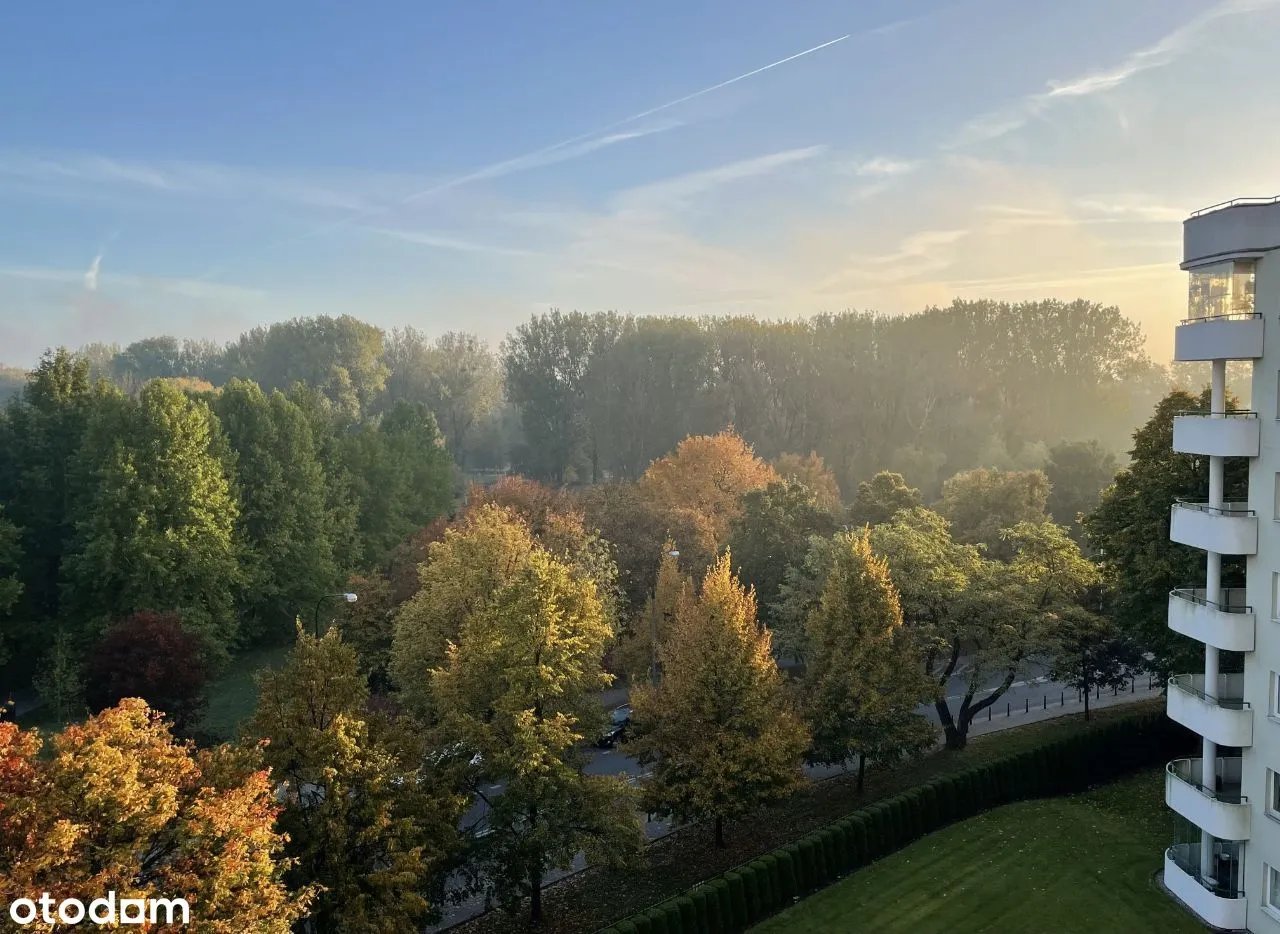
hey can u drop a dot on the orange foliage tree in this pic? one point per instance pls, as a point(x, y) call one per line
point(703, 481)
point(119, 806)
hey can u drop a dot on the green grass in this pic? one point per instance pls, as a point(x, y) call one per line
point(234, 695)
point(1057, 866)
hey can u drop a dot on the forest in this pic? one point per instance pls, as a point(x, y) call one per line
point(668, 504)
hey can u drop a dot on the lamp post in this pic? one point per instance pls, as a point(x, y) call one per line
point(315, 616)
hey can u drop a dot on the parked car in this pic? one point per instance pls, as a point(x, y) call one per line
point(619, 728)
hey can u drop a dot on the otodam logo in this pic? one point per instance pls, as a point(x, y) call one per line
point(106, 911)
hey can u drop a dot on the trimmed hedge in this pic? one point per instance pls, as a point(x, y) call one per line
point(734, 901)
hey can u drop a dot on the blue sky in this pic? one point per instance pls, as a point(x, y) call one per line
point(196, 169)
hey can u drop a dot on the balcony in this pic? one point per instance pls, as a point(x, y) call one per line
point(1222, 812)
point(1227, 625)
point(1221, 715)
point(1229, 529)
point(1217, 434)
point(1232, 336)
point(1220, 904)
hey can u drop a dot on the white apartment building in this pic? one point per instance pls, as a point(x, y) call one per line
point(1226, 866)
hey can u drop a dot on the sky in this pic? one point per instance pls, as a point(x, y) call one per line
point(196, 169)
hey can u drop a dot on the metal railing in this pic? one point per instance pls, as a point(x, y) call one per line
point(1186, 856)
point(1243, 315)
point(1229, 413)
point(1235, 202)
point(1196, 595)
point(1227, 790)
point(1226, 509)
point(1230, 690)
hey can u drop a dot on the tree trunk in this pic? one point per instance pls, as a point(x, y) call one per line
point(1084, 676)
point(719, 831)
point(535, 895)
point(955, 737)
point(862, 770)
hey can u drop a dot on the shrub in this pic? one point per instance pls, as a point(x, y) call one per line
point(738, 918)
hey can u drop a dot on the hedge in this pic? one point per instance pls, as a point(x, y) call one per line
point(737, 899)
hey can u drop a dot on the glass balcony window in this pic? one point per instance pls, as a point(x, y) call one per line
point(1222, 290)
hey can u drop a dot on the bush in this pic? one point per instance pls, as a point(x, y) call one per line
point(738, 918)
point(788, 887)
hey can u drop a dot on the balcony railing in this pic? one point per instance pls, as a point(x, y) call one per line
point(1235, 202)
point(1225, 882)
point(1229, 694)
point(1229, 413)
point(1196, 595)
point(1227, 790)
point(1226, 509)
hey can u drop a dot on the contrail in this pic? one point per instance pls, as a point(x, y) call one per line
point(498, 169)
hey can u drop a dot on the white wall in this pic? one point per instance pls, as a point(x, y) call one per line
point(1240, 229)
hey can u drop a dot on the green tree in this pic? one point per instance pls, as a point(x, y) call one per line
point(10, 585)
point(718, 731)
point(1129, 533)
point(156, 518)
point(59, 680)
point(364, 820)
point(287, 556)
point(798, 595)
point(367, 626)
point(1078, 471)
point(519, 687)
point(772, 533)
point(881, 497)
point(863, 681)
point(811, 471)
point(1090, 653)
point(980, 503)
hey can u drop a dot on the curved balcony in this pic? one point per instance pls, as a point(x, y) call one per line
point(1224, 337)
point(1217, 434)
point(1222, 812)
point(1227, 625)
point(1219, 904)
point(1229, 529)
point(1221, 715)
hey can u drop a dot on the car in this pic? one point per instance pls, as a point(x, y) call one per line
point(619, 728)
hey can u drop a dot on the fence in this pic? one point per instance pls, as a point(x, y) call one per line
point(1143, 684)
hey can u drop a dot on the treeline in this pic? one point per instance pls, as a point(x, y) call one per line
point(576, 398)
point(234, 509)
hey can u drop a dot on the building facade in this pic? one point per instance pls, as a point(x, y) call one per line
point(1225, 865)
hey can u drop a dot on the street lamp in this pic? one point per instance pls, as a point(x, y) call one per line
point(315, 616)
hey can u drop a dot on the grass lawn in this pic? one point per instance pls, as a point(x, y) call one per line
point(1057, 866)
point(233, 697)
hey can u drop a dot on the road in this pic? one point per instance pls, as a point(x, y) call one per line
point(1031, 699)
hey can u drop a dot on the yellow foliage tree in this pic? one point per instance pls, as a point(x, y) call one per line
point(119, 806)
point(636, 651)
point(812, 472)
point(718, 730)
point(703, 481)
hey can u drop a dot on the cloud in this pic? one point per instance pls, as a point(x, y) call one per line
point(884, 166)
point(448, 242)
point(999, 123)
point(189, 288)
point(91, 275)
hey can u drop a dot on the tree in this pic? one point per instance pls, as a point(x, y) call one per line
point(518, 687)
point(364, 821)
point(120, 806)
point(1090, 653)
point(718, 730)
point(771, 533)
point(636, 650)
point(407, 557)
point(10, 585)
point(367, 626)
point(1129, 532)
point(798, 595)
point(283, 532)
point(980, 503)
point(999, 613)
point(812, 472)
point(863, 681)
point(703, 481)
point(58, 678)
point(465, 570)
point(150, 655)
point(1077, 471)
point(882, 497)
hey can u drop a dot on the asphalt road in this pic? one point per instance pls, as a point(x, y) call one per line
point(1032, 698)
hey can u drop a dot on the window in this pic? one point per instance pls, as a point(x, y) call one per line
point(1275, 595)
point(1273, 703)
point(1276, 501)
point(1273, 793)
point(1271, 899)
point(1221, 289)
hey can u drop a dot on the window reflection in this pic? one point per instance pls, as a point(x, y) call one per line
point(1222, 289)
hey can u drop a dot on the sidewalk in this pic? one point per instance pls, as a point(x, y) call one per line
point(1019, 715)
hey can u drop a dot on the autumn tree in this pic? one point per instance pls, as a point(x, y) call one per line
point(118, 805)
point(59, 676)
point(799, 595)
point(704, 481)
point(979, 503)
point(150, 655)
point(771, 533)
point(811, 471)
point(863, 681)
point(367, 626)
point(636, 652)
point(519, 686)
point(718, 731)
point(472, 563)
point(364, 820)
point(882, 497)
point(408, 556)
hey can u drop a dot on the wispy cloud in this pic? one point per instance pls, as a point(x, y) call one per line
point(884, 167)
point(189, 288)
point(1001, 122)
point(446, 241)
point(91, 275)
